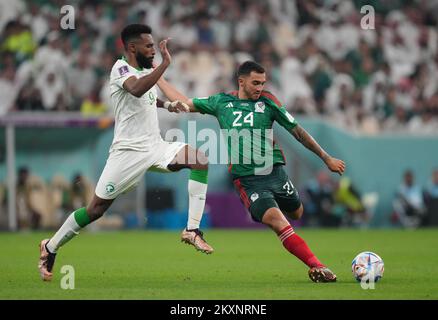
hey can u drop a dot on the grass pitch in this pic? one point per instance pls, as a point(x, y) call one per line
point(246, 265)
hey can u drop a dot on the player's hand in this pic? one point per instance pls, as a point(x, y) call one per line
point(165, 52)
point(335, 165)
point(178, 106)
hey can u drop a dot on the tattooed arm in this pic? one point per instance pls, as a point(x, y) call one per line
point(335, 165)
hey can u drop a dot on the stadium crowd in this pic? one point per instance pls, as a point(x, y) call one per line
point(319, 59)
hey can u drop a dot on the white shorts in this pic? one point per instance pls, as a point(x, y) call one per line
point(125, 168)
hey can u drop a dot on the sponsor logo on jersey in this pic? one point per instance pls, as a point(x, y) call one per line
point(123, 70)
point(254, 196)
point(244, 104)
point(260, 107)
point(230, 105)
point(110, 188)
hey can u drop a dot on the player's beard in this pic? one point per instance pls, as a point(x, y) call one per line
point(251, 94)
point(143, 61)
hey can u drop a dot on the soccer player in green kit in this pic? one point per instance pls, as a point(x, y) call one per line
point(268, 194)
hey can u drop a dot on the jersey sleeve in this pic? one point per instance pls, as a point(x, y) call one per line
point(120, 73)
point(285, 119)
point(281, 115)
point(206, 105)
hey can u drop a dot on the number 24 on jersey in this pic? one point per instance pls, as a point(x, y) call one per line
point(249, 118)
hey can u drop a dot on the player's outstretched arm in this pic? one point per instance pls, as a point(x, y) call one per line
point(335, 165)
point(174, 95)
point(140, 86)
point(174, 106)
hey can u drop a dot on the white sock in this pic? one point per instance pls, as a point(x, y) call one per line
point(68, 230)
point(197, 195)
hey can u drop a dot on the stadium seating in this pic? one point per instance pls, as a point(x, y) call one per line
point(391, 70)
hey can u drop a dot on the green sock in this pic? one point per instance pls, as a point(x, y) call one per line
point(81, 217)
point(199, 175)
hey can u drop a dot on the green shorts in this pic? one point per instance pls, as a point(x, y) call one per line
point(260, 193)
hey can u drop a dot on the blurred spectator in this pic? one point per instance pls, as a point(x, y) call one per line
point(431, 199)
point(82, 80)
point(50, 57)
point(321, 81)
point(93, 105)
point(320, 203)
point(205, 33)
point(65, 196)
point(10, 10)
point(184, 33)
point(27, 215)
point(18, 40)
point(397, 123)
point(423, 123)
point(81, 191)
point(8, 89)
point(29, 99)
point(50, 65)
point(408, 205)
point(222, 30)
point(60, 198)
point(292, 72)
point(51, 87)
point(37, 21)
point(349, 199)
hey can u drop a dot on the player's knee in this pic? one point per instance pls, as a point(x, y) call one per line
point(274, 219)
point(297, 214)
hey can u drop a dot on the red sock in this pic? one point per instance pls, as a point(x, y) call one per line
point(298, 247)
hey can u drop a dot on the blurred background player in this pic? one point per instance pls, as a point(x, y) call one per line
point(137, 146)
point(264, 188)
point(349, 204)
point(409, 206)
point(319, 197)
point(28, 215)
point(431, 199)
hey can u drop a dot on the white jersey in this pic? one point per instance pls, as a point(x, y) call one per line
point(136, 120)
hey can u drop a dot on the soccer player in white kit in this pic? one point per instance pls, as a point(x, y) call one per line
point(137, 146)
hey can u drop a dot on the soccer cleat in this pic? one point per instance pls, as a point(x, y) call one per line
point(196, 239)
point(47, 260)
point(321, 274)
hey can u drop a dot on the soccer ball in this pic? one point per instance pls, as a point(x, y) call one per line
point(367, 265)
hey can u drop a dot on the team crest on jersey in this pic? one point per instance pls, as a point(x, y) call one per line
point(123, 70)
point(260, 107)
point(230, 105)
point(110, 188)
point(254, 196)
point(151, 97)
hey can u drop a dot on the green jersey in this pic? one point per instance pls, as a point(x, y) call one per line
point(247, 127)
